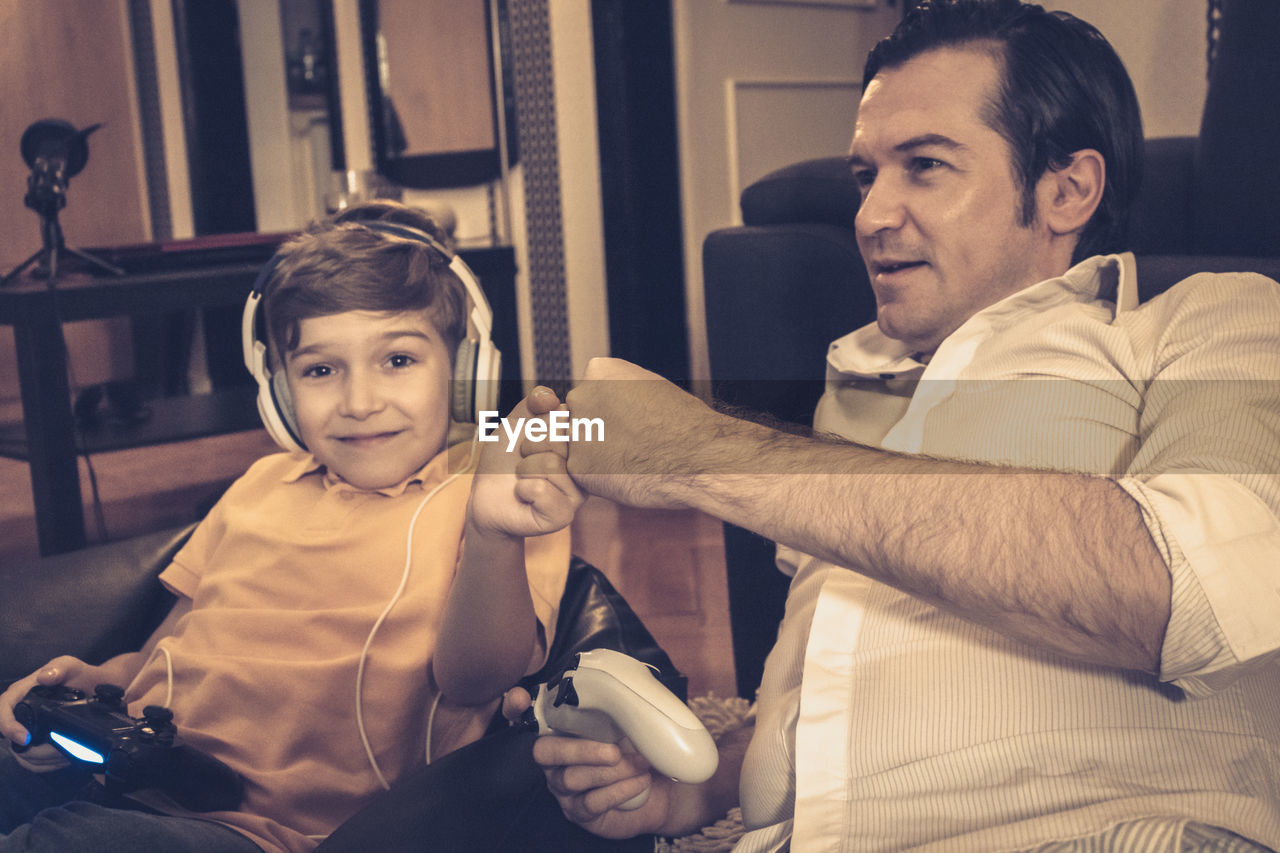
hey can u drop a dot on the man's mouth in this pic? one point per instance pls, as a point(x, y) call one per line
point(888, 267)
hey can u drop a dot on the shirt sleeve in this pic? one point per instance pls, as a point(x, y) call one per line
point(546, 561)
point(1208, 475)
point(182, 575)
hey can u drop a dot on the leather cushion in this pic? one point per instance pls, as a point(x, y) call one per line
point(815, 191)
point(93, 603)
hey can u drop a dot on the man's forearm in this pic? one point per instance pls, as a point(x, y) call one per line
point(1061, 561)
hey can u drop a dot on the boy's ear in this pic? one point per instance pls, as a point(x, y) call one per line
point(1066, 198)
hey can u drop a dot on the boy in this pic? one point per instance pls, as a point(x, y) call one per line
point(329, 625)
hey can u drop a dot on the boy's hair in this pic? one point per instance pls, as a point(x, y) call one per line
point(1062, 89)
point(339, 265)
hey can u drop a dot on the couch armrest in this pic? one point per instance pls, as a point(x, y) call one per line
point(93, 603)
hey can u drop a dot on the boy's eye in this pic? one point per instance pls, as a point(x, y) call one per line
point(317, 371)
point(400, 360)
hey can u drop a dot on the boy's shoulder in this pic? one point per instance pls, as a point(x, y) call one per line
point(271, 472)
point(285, 466)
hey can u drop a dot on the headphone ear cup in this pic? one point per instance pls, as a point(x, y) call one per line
point(462, 391)
point(488, 371)
point(275, 408)
point(282, 405)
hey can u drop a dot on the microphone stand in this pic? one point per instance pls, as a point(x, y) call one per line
point(54, 244)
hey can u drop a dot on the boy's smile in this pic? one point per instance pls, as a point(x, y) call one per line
point(371, 393)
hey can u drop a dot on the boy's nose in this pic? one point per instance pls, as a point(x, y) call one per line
point(360, 398)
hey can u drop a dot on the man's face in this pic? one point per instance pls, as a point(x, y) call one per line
point(371, 393)
point(939, 223)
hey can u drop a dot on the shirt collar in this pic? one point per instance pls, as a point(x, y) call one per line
point(451, 460)
point(870, 354)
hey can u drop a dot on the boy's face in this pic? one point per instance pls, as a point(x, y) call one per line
point(371, 393)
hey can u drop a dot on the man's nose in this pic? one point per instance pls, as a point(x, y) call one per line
point(882, 209)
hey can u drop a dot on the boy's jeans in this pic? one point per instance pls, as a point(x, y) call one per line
point(47, 813)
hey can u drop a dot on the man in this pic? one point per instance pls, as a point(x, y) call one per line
point(1039, 614)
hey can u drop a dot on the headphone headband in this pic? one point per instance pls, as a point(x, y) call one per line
point(476, 364)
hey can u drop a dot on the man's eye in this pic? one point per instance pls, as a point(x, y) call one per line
point(864, 178)
point(920, 165)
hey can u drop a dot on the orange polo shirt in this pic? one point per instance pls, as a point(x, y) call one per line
point(287, 576)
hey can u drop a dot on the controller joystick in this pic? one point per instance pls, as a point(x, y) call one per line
point(609, 696)
point(132, 754)
point(110, 695)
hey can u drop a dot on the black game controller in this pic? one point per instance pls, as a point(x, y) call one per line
point(132, 754)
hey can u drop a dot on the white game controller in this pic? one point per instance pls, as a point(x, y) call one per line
point(608, 696)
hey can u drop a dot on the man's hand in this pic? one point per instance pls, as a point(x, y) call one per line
point(527, 491)
point(591, 779)
point(653, 434)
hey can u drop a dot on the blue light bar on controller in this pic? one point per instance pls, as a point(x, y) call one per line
point(76, 749)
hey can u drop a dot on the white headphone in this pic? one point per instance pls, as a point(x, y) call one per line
point(477, 363)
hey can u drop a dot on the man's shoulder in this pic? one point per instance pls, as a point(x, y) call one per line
point(1219, 324)
point(1221, 293)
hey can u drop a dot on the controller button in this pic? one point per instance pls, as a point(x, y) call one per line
point(157, 715)
point(566, 694)
point(109, 694)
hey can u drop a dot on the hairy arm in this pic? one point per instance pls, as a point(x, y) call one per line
point(1060, 561)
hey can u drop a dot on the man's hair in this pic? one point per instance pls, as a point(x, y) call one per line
point(340, 265)
point(1062, 89)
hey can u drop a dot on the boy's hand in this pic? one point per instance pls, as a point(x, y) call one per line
point(526, 491)
point(58, 671)
point(62, 670)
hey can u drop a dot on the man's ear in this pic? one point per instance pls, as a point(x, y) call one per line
point(1067, 197)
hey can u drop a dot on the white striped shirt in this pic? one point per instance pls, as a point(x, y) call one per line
point(887, 724)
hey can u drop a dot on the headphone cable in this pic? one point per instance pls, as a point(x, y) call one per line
point(404, 582)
